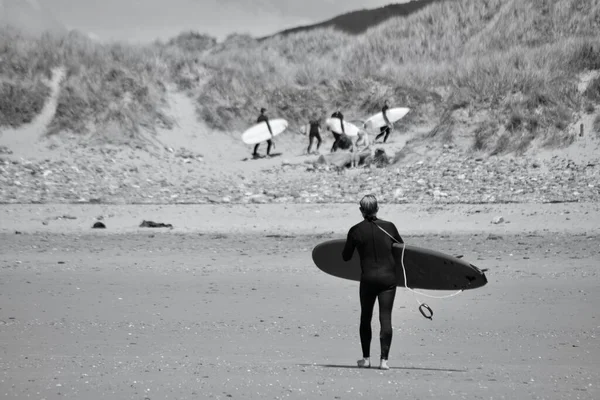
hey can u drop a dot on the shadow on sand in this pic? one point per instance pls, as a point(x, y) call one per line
point(375, 367)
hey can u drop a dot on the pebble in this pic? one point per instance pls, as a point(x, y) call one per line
point(452, 177)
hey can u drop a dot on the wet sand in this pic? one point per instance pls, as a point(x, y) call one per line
point(231, 310)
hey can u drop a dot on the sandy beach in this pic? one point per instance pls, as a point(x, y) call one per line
point(498, 161)
point(228, 304)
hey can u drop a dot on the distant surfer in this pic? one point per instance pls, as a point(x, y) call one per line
point(385, 130)
point(361, 143)
point(337, 135)
point(314, 132)
point(378, 278)
point(263, 117)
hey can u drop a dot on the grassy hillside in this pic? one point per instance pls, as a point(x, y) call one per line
point(514, 64)
point(110, 90)
point(504, 72)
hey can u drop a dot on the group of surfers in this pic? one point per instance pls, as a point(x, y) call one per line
point(314, 132)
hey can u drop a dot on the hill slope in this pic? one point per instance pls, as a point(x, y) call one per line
point(498, 75)
point(357, 22)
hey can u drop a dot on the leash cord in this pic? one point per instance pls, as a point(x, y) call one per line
point(421, 305)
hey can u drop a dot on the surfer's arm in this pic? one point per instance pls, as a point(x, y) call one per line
point(269, 126)
point(384, 112)
point(396, 235)
point(348, 247)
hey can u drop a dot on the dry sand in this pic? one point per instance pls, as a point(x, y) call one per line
point(228, 304)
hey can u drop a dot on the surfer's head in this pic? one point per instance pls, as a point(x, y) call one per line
point(263, 110)
point(368, 206)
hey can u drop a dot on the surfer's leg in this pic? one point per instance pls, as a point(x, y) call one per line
point(310, 142)
point(386, 303)
point(318, 136)
point(381, 133)
point(335, 142)
point(387, 133)
point(367, 302)
point(256, 149)
point(269, 144)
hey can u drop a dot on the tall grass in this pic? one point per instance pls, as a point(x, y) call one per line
point(516, 61)
point(109, 89)
point(23, 67)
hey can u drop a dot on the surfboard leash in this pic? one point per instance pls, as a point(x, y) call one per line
point(422, 306)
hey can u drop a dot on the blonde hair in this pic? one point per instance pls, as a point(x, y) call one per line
point(368, 205)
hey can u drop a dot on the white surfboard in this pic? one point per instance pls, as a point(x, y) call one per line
point(333, 124)
point(260, 132)
point(394, 114)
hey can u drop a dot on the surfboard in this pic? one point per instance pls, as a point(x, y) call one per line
point(333, 124)
point(394, 114)
point(260, 132)
point(425, 268)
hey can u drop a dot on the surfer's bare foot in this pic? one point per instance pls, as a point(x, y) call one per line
point(364, 363)
point(384, 365)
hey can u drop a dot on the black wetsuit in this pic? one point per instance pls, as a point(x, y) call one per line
point(384, 130)
point(378, 278)
point(314, 134)
point(336, 135)
point(261, 118)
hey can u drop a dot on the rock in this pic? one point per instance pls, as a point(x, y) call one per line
point(5, 150)
point(98, 225)
point(343, 159)
point(152, 224)
point(380, 158)
point(498, 220)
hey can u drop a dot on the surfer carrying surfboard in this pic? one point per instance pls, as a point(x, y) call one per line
point(337, 135)
point(263, 117)
point(386, 129)
point(378, 277)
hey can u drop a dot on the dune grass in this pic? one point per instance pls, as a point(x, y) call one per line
point(515, 62)
point(22, 88)
point(112, 90)
point(518, 60)
point(21, 102)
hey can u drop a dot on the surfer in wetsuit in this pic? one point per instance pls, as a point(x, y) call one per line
point(314, 132)
point(337, 135)
point(385, 130)
point(263, 117)
point(378, 278)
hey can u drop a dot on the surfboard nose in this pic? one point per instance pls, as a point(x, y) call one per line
point(477, 280)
